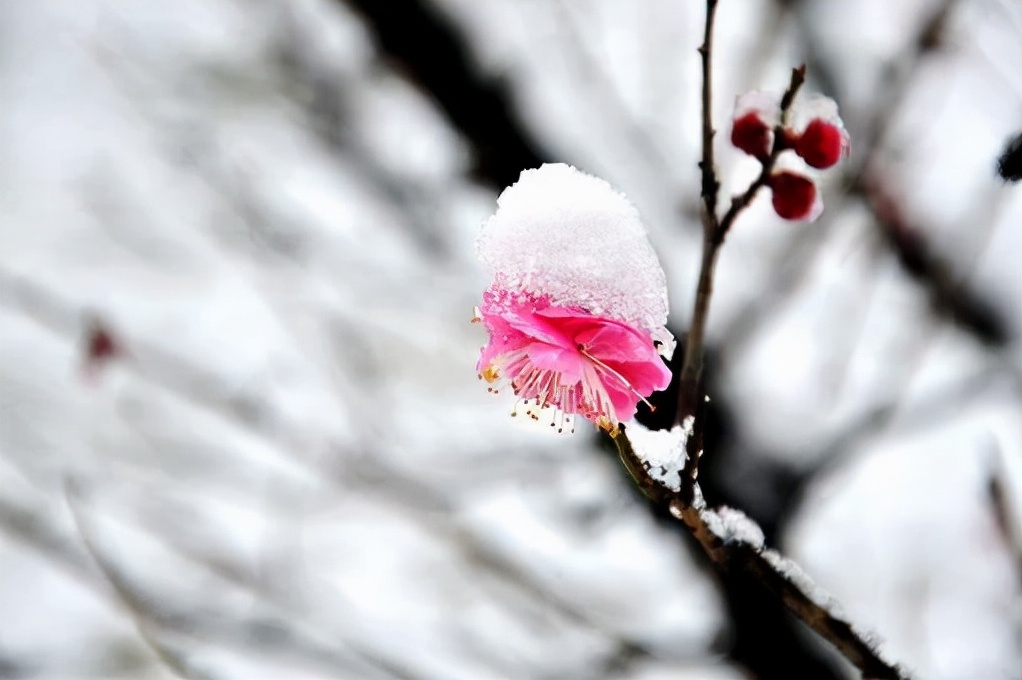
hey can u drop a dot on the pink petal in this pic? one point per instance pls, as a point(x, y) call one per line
point(567, 362)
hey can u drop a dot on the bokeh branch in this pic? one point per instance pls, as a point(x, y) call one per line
point(949, 297)
point(433, 55)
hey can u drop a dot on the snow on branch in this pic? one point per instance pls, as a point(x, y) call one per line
point(735, 542)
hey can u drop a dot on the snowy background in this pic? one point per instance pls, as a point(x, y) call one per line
point(289, 469)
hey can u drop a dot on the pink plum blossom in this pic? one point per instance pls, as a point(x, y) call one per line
point(577, 306)
point(569, 359)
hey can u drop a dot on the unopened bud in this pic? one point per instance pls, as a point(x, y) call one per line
point(822, 144)
point(753, 136)
point(795, 197)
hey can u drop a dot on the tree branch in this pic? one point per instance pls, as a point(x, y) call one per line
point(730, 553)
point(949, 297)
point(710, 184)
point(714, 233)
point(777, 574)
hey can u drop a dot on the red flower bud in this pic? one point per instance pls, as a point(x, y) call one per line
point(750, 134)
point(795, 197)
point(822, 144)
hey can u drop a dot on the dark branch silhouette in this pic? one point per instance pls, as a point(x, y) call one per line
point(433, 55)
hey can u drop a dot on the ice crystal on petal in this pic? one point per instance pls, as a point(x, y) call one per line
point(568, 236)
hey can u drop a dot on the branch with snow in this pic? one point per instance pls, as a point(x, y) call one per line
point(665, 466)
point(734, 541)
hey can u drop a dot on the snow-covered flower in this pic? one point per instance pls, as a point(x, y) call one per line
point(577, 308)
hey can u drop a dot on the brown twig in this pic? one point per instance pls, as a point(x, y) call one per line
point(710, 184)
point(714, 232)
point(779, 575)
point(710, 187)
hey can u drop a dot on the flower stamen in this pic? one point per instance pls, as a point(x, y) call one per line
point(627, 385)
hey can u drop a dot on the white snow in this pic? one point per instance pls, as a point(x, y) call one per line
point(733, 525)
point(662, 452)
point(569, 235)
point(766, 105)
point(798, 576)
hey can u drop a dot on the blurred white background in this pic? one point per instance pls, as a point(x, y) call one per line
point(288, 469)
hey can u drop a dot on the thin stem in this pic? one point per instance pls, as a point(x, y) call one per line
point(692, 364)
point(710, 184)
point(686, 505)
point(715, 231)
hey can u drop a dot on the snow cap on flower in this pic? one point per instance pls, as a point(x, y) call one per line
point(577, 301)
point(570, 236)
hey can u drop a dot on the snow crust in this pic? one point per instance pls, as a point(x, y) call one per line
point(733, 525)
point(764, 104)
point(662, 451)
point(798, 576)
point(560, 232)
point(808, 106)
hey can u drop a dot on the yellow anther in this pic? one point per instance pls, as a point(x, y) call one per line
point(605, 424)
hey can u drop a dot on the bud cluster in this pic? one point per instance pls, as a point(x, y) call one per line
point(817, 136)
